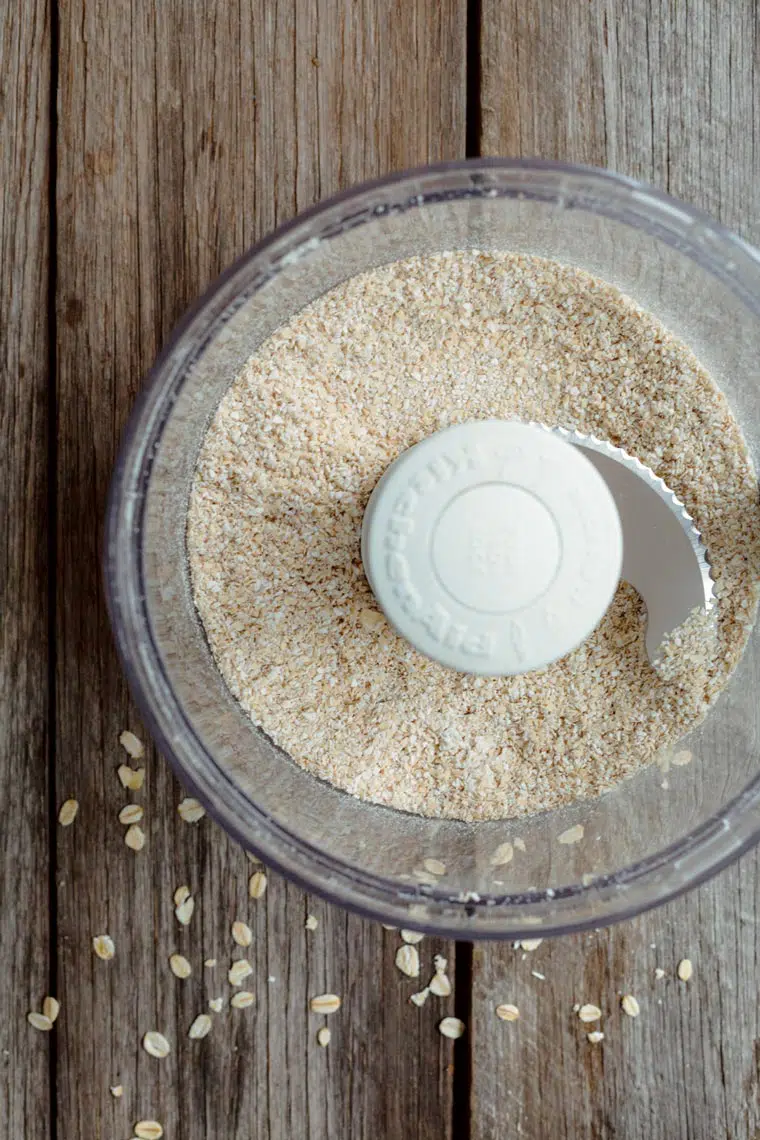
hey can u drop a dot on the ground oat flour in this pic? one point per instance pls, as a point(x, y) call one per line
point(289, 461)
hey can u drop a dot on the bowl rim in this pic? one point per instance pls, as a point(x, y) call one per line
point(698, 855)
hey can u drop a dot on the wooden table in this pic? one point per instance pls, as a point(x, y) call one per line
point(142, 147)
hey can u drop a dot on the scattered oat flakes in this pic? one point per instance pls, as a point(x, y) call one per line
point(595, 1036)
point(209, 963)
point(680, 759)
point(184, 912)
point(421, 997)
point(658, 973)
point(519, 844)
point(311, 922)
point(51, 1008)
point(216, 1004)
point(257, 885)
point(685, 969)
point(191, 810)
point(156, 1044)
point(103, 945)
point(537, 974)
point(507, 1012)
point(408, 960)
point(440, 963)
point(630, 1005)
point(117, 1091)
point(239, 971)
point(530, 944)
point(148, 1130)
point(135, 837)
point(251, 857)
point(451, 1027)
point(131, 778)
point(180, 966)
point(242, 933)
point(323, 1036)
point(587, 878)
point(242, 999)
point(413, 937)
point(572, 835)
point(68, 812)
point(439, 984)
point(131, 745)
point(503, 854)
point(325, 1003)
point(201, 1027)
point(589, 1013)
point(434, 866)
point(39, 1021)
point(132, 813)
point(181, 894)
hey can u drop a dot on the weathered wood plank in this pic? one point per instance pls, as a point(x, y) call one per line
point(658, 91)
point(186, 131)
point(663, 92)
point(685, 1069)
point(24, 839)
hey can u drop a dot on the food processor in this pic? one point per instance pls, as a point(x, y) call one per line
point(600, 516)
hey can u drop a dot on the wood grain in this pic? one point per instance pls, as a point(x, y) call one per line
point(24, 268)
point(666, 93)
point(185, 132)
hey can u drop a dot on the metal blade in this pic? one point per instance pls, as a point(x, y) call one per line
point(664, 558)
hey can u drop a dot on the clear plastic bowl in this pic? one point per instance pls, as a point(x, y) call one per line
point(641, 845)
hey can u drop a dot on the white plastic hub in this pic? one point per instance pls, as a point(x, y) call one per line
point(493, 547)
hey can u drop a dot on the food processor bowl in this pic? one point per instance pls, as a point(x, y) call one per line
point(644, 841)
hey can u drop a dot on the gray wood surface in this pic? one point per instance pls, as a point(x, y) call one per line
point(25, 959)
point(667, 93)
point(186, 131)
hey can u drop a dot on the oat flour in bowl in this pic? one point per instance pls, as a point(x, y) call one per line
point(300, 440)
